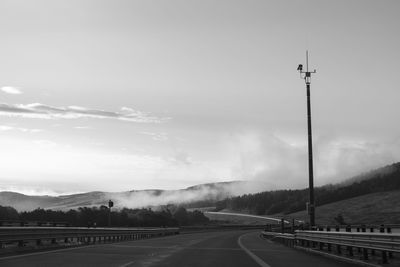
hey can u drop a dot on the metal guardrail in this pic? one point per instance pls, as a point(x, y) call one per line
point(375, 241)
point(366, 243)
point(284, 238)
point(388, 228)
point(33, 223)
point(21, 235)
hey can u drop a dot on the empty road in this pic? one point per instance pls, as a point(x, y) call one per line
point(229, 248)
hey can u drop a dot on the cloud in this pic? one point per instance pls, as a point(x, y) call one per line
point(41, 111)
point(281, 163)
point(83, 127)
point(11, 128)
point(145, 198)
point(156, 136)
point(11, 90)
point(269, 160)
point(183, 158)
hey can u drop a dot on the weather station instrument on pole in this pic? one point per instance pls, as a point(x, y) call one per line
point(306, 75)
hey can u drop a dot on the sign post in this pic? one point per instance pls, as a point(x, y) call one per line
point(110, 205)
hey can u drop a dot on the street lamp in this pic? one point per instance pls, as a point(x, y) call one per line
point(306, 75)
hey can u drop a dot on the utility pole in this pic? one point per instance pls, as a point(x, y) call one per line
point(306, 75)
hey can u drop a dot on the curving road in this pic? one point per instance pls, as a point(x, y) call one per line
point(230, 248)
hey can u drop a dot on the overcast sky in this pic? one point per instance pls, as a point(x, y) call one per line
point(120, 95)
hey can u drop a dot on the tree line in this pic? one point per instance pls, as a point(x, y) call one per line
point(289, 201)
point(99, 216)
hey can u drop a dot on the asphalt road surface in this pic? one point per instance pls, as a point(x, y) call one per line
point(229, 248)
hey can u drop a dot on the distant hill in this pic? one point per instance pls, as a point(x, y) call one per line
point(23, 202)
point(290, 201)
point(234, 196)
point(200, 194)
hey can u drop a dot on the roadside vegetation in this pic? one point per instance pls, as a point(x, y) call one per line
point(98, 216)
point(372, 209)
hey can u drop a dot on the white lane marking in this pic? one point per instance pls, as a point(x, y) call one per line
point(251, 254)
point(126, 264)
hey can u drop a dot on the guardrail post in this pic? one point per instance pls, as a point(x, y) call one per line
point(365, 254)
point(339, 249)
point(350, 251)
point(337, 228)
point(384, 257)
point(293, 226)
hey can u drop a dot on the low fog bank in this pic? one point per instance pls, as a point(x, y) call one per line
point(198, 193)
point(133, 199)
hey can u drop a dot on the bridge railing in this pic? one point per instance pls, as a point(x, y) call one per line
point(22, 235)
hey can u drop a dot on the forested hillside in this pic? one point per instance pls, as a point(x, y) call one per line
point(289, 201)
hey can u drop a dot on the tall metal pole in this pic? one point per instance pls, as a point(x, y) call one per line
point(311, 204)
point(310, 160)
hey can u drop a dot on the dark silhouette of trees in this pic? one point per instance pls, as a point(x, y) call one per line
point(98, 216)
point(8, 213)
